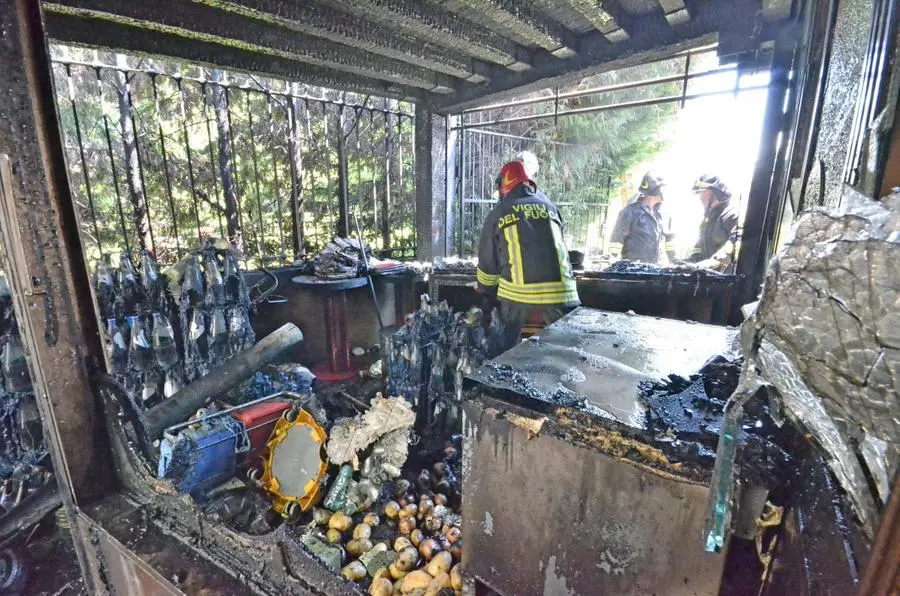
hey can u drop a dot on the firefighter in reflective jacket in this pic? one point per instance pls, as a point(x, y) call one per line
point(717, 240)
point(642, 230)
point(522, 257)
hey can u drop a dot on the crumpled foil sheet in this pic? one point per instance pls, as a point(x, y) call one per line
point(826, 336)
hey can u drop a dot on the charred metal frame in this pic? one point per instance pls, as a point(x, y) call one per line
point(43, 252)
point(47, 275)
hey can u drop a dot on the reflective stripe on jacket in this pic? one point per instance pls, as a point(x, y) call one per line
point(639, 233)
point(522, 255)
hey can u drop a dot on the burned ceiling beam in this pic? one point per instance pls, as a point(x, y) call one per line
point(193, 21)
point(117, 36)
point(341, 27)
point(675, 10)
point(595, 13)
point(517, 21)
point(653, 38)
point(440, 28)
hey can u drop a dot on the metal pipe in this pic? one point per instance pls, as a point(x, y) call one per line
point(604, 89)
point(165, 165)
point(192, 397)
point(84, 168)
point(190, 161)
point(169, 431)
point(112, 163)
point(461, 191)
point(687, 77)
point(362, 249)
point(616, 106)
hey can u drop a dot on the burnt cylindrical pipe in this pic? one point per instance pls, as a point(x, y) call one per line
point(190, 399)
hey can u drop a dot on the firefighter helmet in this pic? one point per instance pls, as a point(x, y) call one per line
point(651, 184)
point(713, 183)
point(512, 175)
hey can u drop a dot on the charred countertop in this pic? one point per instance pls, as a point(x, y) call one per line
point(596, 360)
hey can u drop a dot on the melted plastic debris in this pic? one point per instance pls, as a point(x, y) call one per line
point(825, 336)
point(275, 379)
point(637, 268)
point(686, 417)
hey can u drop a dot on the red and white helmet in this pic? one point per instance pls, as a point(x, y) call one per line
point(512, 175)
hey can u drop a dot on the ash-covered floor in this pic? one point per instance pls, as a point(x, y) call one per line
point(49, 556)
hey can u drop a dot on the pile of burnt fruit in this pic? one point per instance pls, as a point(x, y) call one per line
point(409, 541)
point(149, 356)
point(24, 463)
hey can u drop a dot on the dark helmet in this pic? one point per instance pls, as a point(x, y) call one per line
point(713, 183)
point(651, 184)
point(512, 175)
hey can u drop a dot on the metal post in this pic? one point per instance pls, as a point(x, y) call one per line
point(190, 161)
point(461, 215)
point(253, 156)
point(754, 243)
point(165, 165)
point(47, 273)
point(278, 212)
point(214, 202)
point(84, 168)
point(112, 163)
point(430, 151)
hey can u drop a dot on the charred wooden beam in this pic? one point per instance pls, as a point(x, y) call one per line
point(675, 10)
point(103, 33)
point(594, 12)
point(518, 21)
point(442, 28)
point(43, 259)
point(204, 23)
point(653, 38)
point(341, 27)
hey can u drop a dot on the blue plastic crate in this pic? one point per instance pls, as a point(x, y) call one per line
point(203, 456)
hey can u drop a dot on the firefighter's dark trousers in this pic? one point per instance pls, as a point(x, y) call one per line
point(514, 316)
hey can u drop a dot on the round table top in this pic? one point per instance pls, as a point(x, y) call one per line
point(313, 282)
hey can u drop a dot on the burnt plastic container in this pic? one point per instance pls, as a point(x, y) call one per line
point(259, 421)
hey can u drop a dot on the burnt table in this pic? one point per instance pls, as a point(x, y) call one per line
point(338, 367)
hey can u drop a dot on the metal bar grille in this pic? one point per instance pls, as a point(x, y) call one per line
point(586, 137)
point(151, 166)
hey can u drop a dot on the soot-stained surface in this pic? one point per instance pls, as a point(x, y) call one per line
point(597, 360)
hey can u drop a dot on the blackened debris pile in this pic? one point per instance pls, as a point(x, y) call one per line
point(24, 462)
point(686, 417)
point(428, 358)
point(151, 351)
point(454, 265)
point(638, 268)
